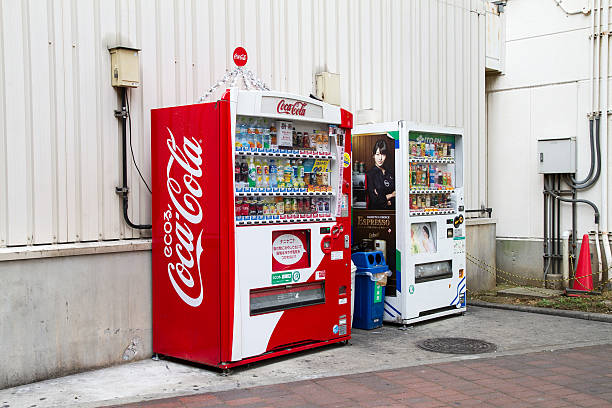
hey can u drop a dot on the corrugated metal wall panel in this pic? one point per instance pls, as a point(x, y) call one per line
point(16, 159)
point(3, 137)
point(419, 60)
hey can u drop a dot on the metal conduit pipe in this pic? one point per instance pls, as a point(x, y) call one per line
point(604, 116)
point(592, 168)
point(124, 189)
point(597, 55)
point(552, 225)
point(553, 218)
point(592, 57)
point(605, 32)
point(546, 225)
point(574, 245)
point(565, 262)
point(598, 250)
point(593, 180)
point(608, 255)
point(579, 200)
point(558, 233)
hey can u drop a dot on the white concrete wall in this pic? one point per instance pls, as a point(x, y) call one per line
point(543, 93)
point(68, 314)
point(59, 141)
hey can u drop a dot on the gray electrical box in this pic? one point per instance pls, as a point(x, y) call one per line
point(557, 156)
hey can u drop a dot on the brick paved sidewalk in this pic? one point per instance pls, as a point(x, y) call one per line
point(580, 377)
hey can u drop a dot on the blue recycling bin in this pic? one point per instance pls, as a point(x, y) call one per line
point(369, 296)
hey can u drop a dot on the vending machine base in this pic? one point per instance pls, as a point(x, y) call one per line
point(430, 315)
point(282, 352)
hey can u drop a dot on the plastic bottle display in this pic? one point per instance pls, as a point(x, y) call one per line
point(430, 202)
point(261, 168)
point(244, 174)
point(436, 150)
point(244, 135)
point(252, 174)
point(266, 138)
point(273, 138)
point(261, 135)
point(430, 176)
point(238, 138)
point(251, 136)
point(265, 174)
point(258, 173)
point(273, 172)
point(238, 176)
point(277, 208)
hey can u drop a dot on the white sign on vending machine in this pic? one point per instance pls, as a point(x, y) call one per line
point(287, 249)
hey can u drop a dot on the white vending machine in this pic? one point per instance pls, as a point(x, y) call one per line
point(408, 202)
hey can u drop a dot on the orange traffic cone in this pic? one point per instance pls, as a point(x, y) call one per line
point(583, 281)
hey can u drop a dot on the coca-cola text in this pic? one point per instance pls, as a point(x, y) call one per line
point(184, 192)
point(297, 108)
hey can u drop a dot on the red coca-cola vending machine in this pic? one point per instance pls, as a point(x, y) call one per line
point(251, 228)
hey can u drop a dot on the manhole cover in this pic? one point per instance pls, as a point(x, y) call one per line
point(457, 345)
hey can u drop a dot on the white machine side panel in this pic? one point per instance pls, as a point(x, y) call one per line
point(395, 308)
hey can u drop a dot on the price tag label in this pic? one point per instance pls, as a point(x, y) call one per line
point(320, 166)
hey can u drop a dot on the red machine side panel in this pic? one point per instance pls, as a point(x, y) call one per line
point(227, 216)
point(186, 232)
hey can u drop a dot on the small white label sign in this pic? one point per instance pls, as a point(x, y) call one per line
point(342, 302)
point(336, 255)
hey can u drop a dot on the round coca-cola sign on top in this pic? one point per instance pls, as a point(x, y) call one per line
point(240, 56)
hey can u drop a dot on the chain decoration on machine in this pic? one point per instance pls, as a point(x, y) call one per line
point(231, 77)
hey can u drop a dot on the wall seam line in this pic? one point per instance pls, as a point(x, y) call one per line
point(27, 63)
point(76, 93)
point(3, 175)
point(99, 138)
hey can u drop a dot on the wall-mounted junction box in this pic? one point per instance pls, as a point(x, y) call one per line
point(327, 87)
point(125, 67)
point(557, 156)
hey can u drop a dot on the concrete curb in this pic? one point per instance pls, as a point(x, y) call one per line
point(599, 317)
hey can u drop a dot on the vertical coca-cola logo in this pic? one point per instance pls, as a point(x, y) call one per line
point(297, 108)
point(183, 218)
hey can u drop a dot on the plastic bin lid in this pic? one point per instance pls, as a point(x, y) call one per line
point(368, 260)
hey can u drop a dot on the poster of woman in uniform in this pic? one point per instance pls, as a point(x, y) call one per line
point(374, 199)
point(380, 180)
